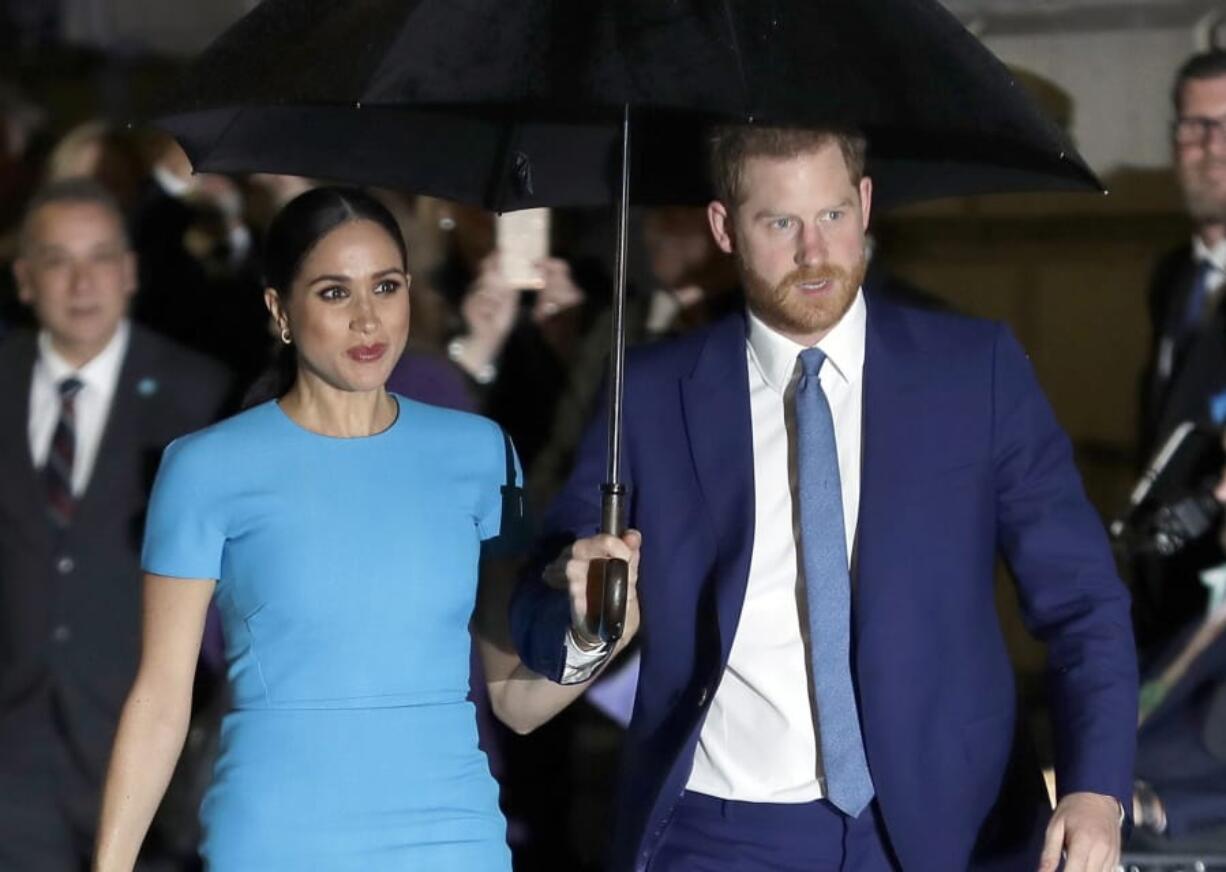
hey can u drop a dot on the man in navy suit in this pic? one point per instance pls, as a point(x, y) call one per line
point(823, 483)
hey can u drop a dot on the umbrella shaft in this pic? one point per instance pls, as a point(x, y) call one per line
point(617, 357)
point(613, 509)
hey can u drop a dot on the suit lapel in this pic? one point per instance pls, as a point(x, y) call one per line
point(15, 378)
point(1175, 365)
point(892, 406)
point(126, 422)
point(715, 400)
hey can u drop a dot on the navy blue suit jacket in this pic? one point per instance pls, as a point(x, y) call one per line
point(962, 458)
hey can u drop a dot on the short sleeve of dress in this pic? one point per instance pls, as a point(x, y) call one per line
point(184, 529)
point(503, 514)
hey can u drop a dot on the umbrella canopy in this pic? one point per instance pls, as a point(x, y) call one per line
point(511, 105)
point(530, 103)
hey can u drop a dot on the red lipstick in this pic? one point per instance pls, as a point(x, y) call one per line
point(367, 353)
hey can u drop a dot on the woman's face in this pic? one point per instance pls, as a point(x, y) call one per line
point(348, 308)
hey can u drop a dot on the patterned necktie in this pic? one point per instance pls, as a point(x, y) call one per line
point(57, 474)
point(828, 587)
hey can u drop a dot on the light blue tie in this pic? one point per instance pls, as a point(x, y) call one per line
point(828, 586)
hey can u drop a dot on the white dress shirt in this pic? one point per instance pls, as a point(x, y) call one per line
point(99, 378)
point(759, 741)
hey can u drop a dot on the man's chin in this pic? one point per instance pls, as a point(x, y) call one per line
point(1206, 202)
point(808, 323)
point(820, 314)
point(1204, 214)
point(78, 335)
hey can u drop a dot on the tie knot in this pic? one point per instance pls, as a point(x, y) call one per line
point(811, 360)
point(70, 387)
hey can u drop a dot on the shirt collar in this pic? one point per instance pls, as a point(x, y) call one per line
point(843, 346)
point(1216, 256)
point(100, 373)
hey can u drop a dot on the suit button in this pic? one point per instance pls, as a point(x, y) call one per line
point(61, 634)
point(65, 565)
point(702, 697)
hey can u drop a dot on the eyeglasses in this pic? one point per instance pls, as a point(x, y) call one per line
point(1197, 129)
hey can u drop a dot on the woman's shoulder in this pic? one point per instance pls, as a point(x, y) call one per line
point(455, 436)
point(231, 436)
point(441, 420)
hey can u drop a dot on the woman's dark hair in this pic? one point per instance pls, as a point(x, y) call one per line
point(294, 232)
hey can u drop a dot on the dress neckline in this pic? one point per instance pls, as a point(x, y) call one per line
point(306, 431)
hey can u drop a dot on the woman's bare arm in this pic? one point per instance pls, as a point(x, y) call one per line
point(521, 698)
point(155, 717)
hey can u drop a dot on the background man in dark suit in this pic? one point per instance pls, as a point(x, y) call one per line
point(822, 483)
point(1186, 376)
point(86, 405)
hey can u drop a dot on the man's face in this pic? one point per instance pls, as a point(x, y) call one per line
point(77, 273)
point(798, 237)
point(1201, 164)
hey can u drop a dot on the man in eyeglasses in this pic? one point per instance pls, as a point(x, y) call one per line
point(87, 402)
point(1186, 379)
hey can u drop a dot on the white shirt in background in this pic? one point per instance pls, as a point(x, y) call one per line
point(100, 377)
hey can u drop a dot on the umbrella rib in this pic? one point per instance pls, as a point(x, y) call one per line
point(736, 53)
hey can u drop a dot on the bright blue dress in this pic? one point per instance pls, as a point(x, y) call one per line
point(347, 574)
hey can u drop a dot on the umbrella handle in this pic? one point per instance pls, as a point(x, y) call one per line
point(615, 574)
point(613, 605)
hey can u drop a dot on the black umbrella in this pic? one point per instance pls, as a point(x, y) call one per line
point(515, 104)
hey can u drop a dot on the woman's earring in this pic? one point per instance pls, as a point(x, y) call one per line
point(285, 337)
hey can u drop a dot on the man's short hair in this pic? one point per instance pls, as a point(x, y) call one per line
point(730, 145)
point(74, 190)
point(1209, 64)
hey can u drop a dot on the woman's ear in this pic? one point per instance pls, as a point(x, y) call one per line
point(273, 301)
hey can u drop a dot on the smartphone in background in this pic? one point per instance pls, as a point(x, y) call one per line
point(522, 238)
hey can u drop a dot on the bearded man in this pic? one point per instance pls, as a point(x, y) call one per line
point(1186, 376)
point(822, 482)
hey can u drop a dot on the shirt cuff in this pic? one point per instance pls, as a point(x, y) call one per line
point(581, 664)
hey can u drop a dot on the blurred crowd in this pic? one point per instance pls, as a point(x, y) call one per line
point(190, 338)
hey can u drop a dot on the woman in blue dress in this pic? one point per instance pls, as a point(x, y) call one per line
point(339, 528)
